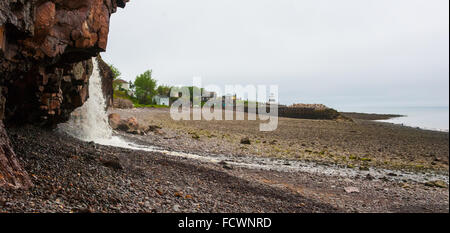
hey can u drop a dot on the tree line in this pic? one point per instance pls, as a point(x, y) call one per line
point(141, 90)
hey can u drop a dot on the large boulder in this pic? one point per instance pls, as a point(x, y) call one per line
point(130, 125)
point(114, 120)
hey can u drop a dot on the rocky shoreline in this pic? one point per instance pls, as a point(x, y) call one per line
point(74, 176)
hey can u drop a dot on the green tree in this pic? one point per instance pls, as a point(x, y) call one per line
point(116, 75)
point(116, 72)
point(163, 90)
point(145, 87)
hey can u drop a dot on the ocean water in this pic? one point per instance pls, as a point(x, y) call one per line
point(430, 118)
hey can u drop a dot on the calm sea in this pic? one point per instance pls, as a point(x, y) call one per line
point(431, 118)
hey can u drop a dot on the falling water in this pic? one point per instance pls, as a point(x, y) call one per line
point(90, 122)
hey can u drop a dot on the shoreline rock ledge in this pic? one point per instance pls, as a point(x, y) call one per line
point(45, 64)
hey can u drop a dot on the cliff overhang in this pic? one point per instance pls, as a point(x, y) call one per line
point(46, 48)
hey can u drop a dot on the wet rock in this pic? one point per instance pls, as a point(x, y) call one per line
point(246, 141)
point(129, 125)
point(153, 128)
point(195, 136)
point(226, 165)
point(437, 183)
point(112, 163)
point(364, 168)
point(369, 177)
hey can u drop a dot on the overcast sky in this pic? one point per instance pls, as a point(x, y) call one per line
point(341, 53)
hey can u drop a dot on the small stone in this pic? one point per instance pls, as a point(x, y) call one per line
point(147, 204)
point(228, 167)
point(436, 183)
point(364, 168)
point(178, 194)
point(245, 141)
point(351, 190)
point(195, 136)
point(369, 177)
point(348, 180)
point(406, 186)
point(160, 192)
point(176, 208)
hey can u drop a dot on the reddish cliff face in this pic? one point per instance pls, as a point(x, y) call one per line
point(45, 63)
point(45, 47)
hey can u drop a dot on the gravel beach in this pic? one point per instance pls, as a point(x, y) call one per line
point(74, 176)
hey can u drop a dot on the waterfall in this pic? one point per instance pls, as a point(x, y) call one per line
point(90, 122)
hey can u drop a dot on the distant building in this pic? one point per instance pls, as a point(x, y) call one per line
point(122, 85)
point(161, 100)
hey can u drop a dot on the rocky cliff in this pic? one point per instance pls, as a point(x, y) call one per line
point(45, 64)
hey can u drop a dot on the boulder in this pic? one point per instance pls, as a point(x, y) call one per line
point(130, 125)
point(114, 120)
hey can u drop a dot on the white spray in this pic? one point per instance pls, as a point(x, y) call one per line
point(90, 122)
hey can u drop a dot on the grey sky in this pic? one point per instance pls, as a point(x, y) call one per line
point(346, 52)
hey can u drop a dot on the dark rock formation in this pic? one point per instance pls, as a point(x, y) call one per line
point(107, 81)
point(45, 47)
point(11, 173)
point(45, 62)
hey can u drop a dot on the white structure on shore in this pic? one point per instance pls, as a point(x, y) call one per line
point(161, 100)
